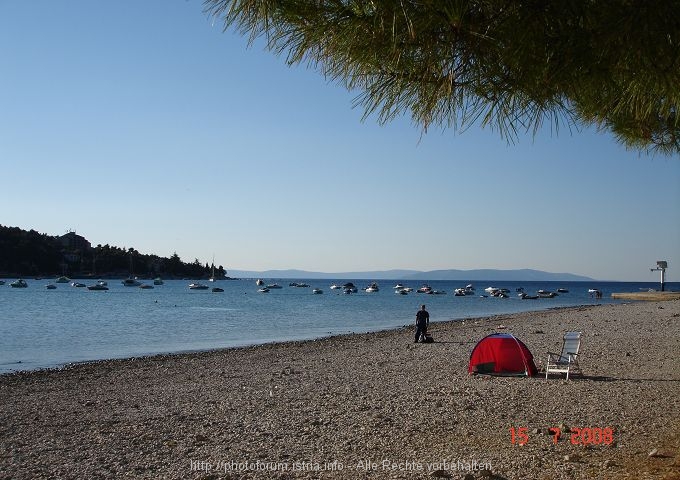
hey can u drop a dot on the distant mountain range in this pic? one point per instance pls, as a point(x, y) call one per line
point(464, 275)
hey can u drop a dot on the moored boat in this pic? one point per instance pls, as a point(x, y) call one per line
point(131, 282)
point(19, 283)
point(217, 289)
point(98, 286)
point(197, 286)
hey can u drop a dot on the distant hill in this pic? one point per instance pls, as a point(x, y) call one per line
point(471, 275)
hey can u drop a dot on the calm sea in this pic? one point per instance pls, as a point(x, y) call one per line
point(41, 328)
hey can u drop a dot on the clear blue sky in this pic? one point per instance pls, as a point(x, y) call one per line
point(141, 124)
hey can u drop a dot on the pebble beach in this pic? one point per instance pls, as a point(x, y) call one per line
point(371, 405)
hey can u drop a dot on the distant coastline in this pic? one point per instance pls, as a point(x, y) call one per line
point(451, 274)
point(32, 254)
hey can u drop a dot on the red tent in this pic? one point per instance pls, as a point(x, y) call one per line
point(502, 354)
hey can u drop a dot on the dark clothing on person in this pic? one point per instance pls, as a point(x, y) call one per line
point(422, 321)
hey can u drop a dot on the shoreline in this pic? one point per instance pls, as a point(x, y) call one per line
point(274, 343)
point(358, 401)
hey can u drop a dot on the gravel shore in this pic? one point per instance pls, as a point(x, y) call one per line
point(362, 406)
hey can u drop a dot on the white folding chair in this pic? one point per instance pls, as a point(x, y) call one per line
point(567, 360)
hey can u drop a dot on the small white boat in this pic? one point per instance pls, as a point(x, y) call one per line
point(158, 281)
point(335, 286)
point(198, 286)
point(77, 284)
point(317, 291)
point(259, 282)
point(263, 290)
point(131, 282)
point(63, 279)
point(19, 283)
point(425, 289)
point(373, 287)
point(398, 286)
point(401, 291)
point(594, 292)
point(526, 296)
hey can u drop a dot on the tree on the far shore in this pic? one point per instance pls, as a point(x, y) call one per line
point(508, 64)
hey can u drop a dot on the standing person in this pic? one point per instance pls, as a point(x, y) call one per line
point(422, 321)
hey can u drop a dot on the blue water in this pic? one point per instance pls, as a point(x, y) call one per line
point(42, 328)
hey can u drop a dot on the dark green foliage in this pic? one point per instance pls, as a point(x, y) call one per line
point(509, 64)
point(29, 253)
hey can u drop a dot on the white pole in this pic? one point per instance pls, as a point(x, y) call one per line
point(663, 274)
